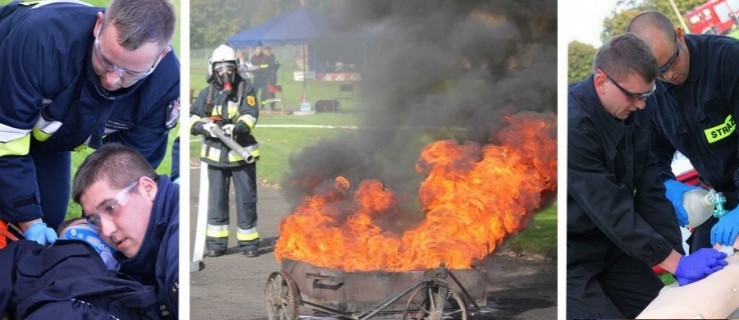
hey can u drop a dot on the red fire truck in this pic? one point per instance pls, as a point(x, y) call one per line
point(714, 17)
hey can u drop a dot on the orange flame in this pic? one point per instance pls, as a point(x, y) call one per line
point(474, 197)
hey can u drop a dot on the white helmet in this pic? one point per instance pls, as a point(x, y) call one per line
point(222, 54)
point(224, 60)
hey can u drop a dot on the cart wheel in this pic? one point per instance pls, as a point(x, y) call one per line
point(281, 297)
point(434, 302)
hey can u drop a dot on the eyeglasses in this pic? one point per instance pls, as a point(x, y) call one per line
point(663, 69)
point(638, 96)
point(122, 73)
point(109, 207)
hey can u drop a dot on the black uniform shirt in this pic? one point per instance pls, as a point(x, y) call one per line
point(613, 190)
point(698, 118)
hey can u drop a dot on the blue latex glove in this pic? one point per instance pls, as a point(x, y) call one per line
point(699, 265)
point(675, 191)
point(40, 233)
point(726, 229)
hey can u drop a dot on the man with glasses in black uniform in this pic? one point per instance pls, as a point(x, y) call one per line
point(695, 114)
point(76, 76)
point(136, 212)
point(619, 223)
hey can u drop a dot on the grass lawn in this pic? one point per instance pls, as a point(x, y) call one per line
point(540, 236)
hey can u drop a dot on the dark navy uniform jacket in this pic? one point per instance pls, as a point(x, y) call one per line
point(156, 263)
point(52, 98)
point(698, 118)
point(68, 281)
point(613, 191)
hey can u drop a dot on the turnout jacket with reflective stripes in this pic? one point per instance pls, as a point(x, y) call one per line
point(52, 99)
point(156, 263)
point(240, 109)
point(613, 190)
point(698, 118)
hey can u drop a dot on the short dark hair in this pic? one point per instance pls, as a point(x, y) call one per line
point(652, 19)
point(113, 162)
point(624, 54)
point(141, 21)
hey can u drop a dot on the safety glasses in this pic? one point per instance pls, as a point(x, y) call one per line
point(109, 207)
point(636, 96)
point(666, 67)
point(124, 74)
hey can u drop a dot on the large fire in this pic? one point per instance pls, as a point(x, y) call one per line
point(473, 197)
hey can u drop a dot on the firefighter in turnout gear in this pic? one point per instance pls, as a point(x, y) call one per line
point(228, 106)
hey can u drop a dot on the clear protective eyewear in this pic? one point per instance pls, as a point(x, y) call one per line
point(124, 74)
point(109, 207)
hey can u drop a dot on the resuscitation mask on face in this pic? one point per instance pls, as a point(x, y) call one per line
point(225, 74)
point(87, 234)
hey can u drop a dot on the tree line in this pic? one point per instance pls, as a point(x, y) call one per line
point(580, 55)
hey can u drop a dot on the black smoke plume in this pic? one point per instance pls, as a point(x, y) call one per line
point(434, 70)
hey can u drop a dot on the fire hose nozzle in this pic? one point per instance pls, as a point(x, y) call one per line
point(244, 152)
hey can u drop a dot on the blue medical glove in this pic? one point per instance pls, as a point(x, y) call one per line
point(675, 191)
point(726, 229)
point(40, 233)
point(699, 265)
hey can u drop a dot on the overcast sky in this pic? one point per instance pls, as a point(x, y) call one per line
point(583, 19)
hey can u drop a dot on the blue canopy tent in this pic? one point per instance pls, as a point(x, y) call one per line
point(302, 26)
point(299, 26)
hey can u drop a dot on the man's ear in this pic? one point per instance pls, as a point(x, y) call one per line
point(150, 188)
point(679, 32)
point(599, 81)
point(98, 25)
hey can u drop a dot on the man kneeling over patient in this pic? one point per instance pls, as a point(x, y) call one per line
point(136, 212)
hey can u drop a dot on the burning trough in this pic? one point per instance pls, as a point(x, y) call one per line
point(348, 251)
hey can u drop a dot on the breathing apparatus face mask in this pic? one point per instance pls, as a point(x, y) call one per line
point(225, 75)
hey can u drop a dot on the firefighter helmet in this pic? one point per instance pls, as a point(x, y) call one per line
point(222, 65)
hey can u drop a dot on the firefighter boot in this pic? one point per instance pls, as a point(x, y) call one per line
point(251, 248)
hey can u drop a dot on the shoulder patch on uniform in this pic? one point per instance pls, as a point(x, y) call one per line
point(251, 101)
point(173, 113)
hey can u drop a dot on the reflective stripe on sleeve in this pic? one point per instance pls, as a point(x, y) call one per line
point(249, 120)
point(14, 141)
point(44, 128)
point(194, 120)
point(18, 147)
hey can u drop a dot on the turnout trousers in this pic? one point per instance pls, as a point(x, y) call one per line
point(245, 185)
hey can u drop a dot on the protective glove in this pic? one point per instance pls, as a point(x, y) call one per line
point(40, 233)
point(675, 191)
point(726, 229)
point(699, 265)
point(228, 130)
point(209, 129)
point(241, 129)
